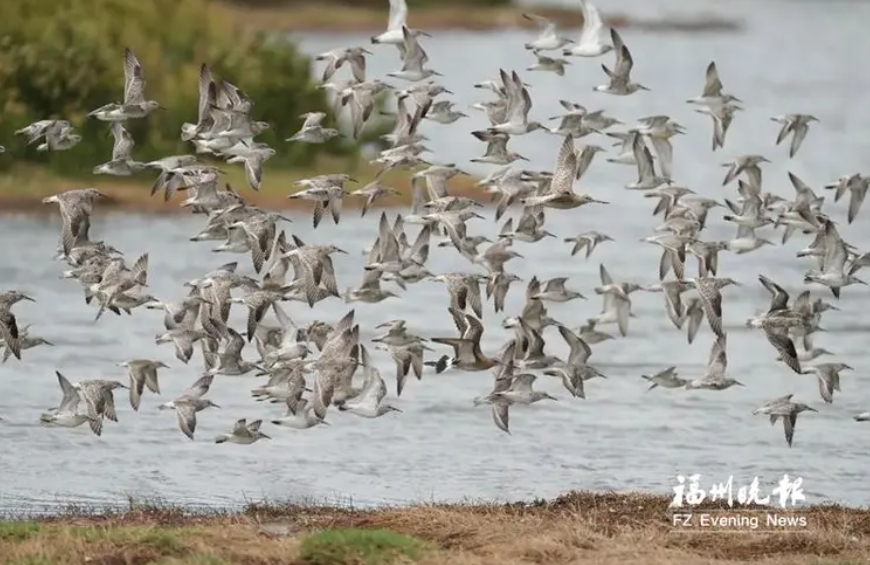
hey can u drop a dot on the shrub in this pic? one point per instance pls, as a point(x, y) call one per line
point(64, 58)
point(355, 546)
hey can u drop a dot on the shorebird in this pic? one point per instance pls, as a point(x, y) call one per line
point(561, 193)
point(503, 377)
point(620, 79)
point(828, 375)
point(795, 124)
point(588, 240)
point(243, 433)
point(709, 291)
point(467, 355)
point(142, 373)
point(521, 392)
point(354, 56)
point(395, 25)
point(857, 186)
point(549, 38)
point(122, 163)
point(189, 403)
point(8, 324)
point(833, 274)
point(496, 149)
point(722, 116)
point(784, 408)
point(777, 322)
point(672, 291)
point(25, 341)
point(666, 378)
point(442, 112)
point(712, 96)
point(414, 58)
point(301, 416)
point(745, 164)
point(549, 64)
point(98, 397)
point(518, 103)
point(590, 43)
point(370, 402)
point(75, 211)
point(66, 414)
point(715, 378)
point(311, 130)
point(590, 335)
point(555, 291)
point(134, 104)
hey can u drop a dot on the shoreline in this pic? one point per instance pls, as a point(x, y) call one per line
point(22, 191)
point(348, 19)
point(606, 528)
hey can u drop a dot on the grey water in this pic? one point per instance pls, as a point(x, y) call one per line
point(441, 448)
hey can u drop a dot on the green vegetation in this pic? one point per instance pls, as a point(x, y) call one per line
point(64, 58)
point(354, 546)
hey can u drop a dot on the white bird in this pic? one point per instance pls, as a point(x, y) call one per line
point(394, 34)
point(590, 44)
point(549, 39)
point(369, 403)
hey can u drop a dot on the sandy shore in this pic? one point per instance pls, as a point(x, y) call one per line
point(314, 17)
point(579, 527)
point(23, 190)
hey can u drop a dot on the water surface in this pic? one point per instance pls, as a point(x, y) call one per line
point(440, 447)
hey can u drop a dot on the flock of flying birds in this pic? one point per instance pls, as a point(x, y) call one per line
point(307, 383)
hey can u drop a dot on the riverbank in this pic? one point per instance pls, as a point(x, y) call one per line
point(314, 17)
point(598, 528)
point(22, 189)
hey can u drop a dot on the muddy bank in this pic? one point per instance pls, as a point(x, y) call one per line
point(23, 190)
point(314, 17)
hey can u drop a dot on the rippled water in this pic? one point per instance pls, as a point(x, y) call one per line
point(440, 447)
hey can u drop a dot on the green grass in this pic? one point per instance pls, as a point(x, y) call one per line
point(18, 531)
point(355, 546)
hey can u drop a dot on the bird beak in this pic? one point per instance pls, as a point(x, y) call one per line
point(215, 405)
point(341, 251)
point(738, 383)
point(811, 409)
point(264, 436)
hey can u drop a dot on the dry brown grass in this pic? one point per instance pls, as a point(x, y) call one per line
point(576, 528)
point(23, 189)
point(312, 16)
